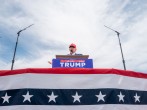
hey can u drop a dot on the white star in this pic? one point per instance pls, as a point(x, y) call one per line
point(100, 97)
point(137, 98)
point(76, 97)
point(6, 98)
point(121, 97)
point(27, 97)
point(52, 97)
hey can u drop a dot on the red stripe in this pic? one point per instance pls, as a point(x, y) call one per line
point(72, 71)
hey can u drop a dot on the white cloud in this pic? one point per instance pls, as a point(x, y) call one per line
point(82, 22)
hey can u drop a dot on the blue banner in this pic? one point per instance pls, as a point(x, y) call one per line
point(72, 63)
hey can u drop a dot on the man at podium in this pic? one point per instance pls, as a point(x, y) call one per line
point(72, 60)
point(73, 49)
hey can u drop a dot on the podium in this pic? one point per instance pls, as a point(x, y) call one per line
point(72, 61)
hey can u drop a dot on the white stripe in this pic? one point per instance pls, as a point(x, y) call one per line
point(79, 107)
point(71, 81)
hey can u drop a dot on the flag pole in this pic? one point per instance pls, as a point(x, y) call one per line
point(18, 34)
point(123, 60)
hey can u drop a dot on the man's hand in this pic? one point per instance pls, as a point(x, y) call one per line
point(49, 62)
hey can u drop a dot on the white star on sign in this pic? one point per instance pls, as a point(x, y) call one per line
point(100, 97)
point(6, 98)
point(52, 97)
point(121, 97)
point(76, 97)
point(27, 97)
point(137, 98)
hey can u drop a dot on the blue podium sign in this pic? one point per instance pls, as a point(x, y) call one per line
point(72, 63)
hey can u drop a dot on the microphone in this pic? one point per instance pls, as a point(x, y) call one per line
point(71, 51)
